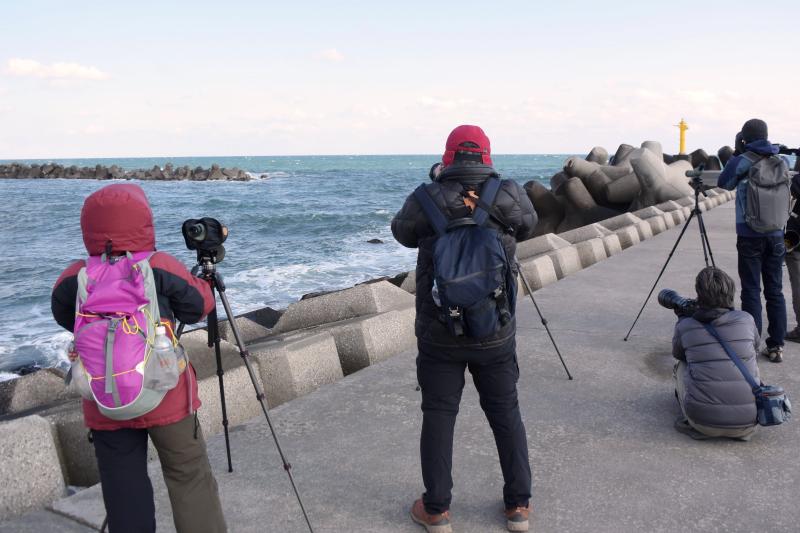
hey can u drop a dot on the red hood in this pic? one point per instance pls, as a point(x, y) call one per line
point(121, 214)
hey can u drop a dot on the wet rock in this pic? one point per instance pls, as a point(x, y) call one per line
point(375, 241)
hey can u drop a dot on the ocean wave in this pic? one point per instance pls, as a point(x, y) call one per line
point(7, 376)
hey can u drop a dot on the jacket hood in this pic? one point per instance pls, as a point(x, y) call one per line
point(118, 214)
point(706, 315)
point(762, 147)
point(470, 173)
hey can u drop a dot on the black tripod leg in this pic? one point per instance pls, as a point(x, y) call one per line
point(260, 396)
point(213, 339)
point(704, 239)
point(649, 294)
point(542, 318)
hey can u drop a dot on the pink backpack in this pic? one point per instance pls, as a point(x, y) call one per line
point(122, 365)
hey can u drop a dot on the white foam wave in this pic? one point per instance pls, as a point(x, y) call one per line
point(7, 376)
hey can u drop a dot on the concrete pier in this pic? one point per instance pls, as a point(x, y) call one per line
point(604, 454)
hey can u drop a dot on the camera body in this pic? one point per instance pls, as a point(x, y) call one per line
point(205, 235)
point(683, 307)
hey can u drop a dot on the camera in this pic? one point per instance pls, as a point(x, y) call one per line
point(683, 307)
point(205, 235)
point(785, 150)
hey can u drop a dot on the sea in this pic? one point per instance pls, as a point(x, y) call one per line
point(302, 225)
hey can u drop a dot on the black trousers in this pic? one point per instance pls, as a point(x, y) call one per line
point(441, 377)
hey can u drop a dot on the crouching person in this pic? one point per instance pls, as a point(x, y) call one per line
point(121, 304)
point(714, 396)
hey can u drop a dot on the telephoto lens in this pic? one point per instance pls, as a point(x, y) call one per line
point(672, 300)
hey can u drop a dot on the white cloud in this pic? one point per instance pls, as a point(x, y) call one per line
point(331, 54)
point(55, 71)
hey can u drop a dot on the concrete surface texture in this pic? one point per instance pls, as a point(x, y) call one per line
point(33, 477)
point(604, 454)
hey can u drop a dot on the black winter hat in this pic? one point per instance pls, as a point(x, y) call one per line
point(754, 130)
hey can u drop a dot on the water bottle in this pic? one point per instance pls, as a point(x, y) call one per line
point(435, 294)
point(161, 371)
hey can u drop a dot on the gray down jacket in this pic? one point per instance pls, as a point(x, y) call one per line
point(717, 394)
point(410, 227)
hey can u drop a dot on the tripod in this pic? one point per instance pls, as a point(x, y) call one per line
point(697, 185)
point(208, 272)
point(542, 318)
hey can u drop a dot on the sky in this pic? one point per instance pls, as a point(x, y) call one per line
point(149, 79)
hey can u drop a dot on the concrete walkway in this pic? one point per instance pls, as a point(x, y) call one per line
point(604, 454)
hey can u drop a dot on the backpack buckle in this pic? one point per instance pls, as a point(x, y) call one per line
point(454, 313)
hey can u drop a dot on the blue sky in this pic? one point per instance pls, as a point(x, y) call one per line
point(112, 79)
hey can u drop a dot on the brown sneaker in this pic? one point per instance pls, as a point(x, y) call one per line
point(517, 518)
point(433, 523)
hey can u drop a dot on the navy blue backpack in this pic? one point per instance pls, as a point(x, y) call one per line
point(474, 284)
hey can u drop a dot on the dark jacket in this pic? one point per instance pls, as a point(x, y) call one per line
point(734, 176)
point(128, 226)
point(717, 394)
point(411, 228)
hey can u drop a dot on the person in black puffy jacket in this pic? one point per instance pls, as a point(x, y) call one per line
point(443, 357)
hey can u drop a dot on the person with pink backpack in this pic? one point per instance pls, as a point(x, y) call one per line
point(121, 304)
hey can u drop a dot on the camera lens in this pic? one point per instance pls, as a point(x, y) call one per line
point(197, 231)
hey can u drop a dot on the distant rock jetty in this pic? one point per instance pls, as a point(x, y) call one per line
point(113, 172)
point(598, 188)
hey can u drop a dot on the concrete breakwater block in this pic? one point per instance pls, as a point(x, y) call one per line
point(296, 365)
point(361, 342)
point(40, 388)
point(584, 233)
point(241, 403)
point(540, 245)
point(74, 449)
point(253, 325)
point(410, 282)
point(591, 251)
point(549, 208)
point(655, 218)
point(627, 227)
point(365, 299)
point(539, 272)
point(240, 395)
point(566, 261)
point(30, 472)
point(612, 244)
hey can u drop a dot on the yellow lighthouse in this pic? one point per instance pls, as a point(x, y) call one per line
point(683, 126)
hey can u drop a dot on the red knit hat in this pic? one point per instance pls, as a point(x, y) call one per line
point(467, 134)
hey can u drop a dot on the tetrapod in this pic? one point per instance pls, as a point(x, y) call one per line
point(697, 185)
point(542, 318)
point(207, 270)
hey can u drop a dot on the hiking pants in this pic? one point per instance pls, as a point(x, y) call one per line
point(441, 378)
point(762, 258)
point(793, 267)
point(128, 494)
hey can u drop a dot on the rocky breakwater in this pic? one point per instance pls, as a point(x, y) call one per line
point(114, 172)
point(596, 188)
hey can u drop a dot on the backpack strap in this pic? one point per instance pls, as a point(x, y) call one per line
point(735, 358)
point(486, 201)
point(435, 216)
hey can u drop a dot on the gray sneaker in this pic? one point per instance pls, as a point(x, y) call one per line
point(774, 354)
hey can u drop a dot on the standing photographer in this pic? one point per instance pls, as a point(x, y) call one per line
point(715, 398)
point(759, 229)
point(444, 355)
point(117, 223)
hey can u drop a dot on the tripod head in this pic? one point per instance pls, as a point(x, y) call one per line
point(696, 181)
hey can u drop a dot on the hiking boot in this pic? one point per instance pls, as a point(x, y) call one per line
point(774, 353)
point(517, 518)
point(433, 523)
point(794, 335)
